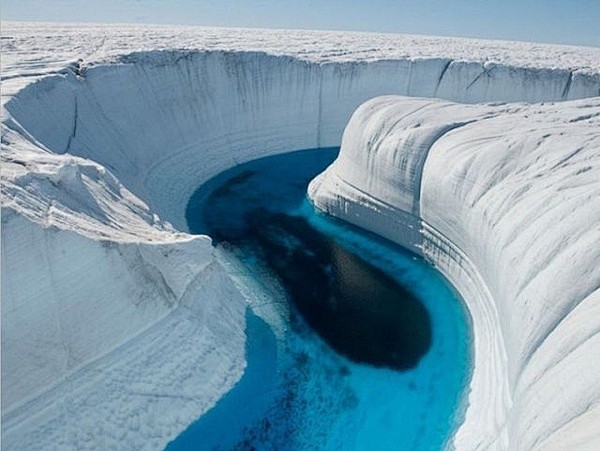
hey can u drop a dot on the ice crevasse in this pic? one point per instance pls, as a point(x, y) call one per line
point(119, 328)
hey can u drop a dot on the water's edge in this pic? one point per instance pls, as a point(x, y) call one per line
point(355, 387)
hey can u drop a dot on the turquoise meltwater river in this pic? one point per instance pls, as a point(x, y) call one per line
point(353, 343)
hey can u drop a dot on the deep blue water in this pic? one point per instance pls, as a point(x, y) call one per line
point(353, 342)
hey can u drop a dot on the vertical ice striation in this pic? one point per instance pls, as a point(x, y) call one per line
point(508, 207)
point(231, 107)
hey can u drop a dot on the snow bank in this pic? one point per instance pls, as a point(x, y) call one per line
point(505, 201)
point(102, 144)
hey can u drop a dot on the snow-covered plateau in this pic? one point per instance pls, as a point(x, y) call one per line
point(119, 328)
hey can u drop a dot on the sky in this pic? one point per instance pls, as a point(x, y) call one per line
point(556, 21)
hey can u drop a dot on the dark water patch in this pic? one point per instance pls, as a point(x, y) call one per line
point(356, 308)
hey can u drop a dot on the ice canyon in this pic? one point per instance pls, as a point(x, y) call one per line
point(120, 328)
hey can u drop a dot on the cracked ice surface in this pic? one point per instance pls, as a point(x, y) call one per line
point(108, 130)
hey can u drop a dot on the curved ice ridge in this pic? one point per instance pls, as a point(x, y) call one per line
point(505, 201)
point(117, 328)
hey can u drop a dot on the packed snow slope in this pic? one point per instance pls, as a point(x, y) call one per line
point(505, 201)
point(119, 329)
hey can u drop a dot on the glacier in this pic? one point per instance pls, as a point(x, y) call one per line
point(108, 131)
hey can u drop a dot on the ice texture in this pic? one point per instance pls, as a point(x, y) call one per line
point(505, 201)
point(108, 130)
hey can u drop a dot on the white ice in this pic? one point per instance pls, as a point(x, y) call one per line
point(110, 307)
point(505, 201)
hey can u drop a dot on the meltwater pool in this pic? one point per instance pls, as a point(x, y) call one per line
point(352, 342)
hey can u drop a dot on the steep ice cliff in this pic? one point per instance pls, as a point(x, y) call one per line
point(104, 308)
point(107, 131)
point(505, 201)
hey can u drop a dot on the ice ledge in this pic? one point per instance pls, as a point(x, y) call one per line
point(508, 204)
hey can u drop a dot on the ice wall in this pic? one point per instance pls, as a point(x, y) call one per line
point(164, 122)
point(98, 155)
point(117, 330)
point(506, 203)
